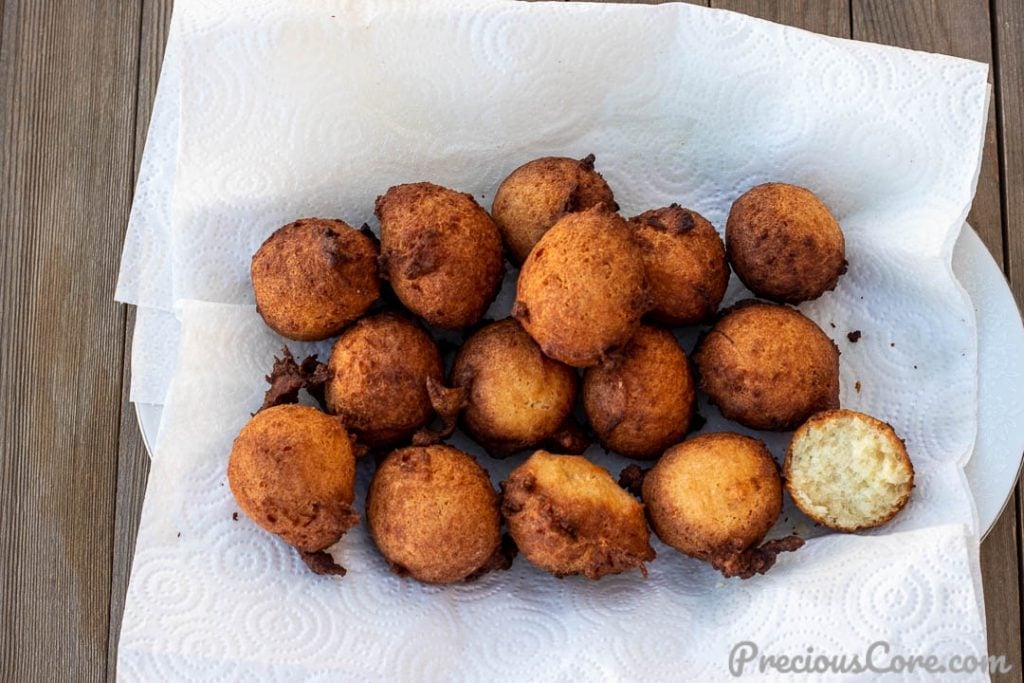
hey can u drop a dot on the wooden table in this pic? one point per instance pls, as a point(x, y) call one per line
point(77, 80)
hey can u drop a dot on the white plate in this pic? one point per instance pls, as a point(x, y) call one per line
point(993, 469)
point(995, 465)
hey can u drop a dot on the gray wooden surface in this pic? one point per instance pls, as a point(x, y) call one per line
point(77, 80)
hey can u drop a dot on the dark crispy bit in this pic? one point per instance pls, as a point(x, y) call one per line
point(287, 377)
point(854, 336)
point(448, 404)
point(500, 561)
point(571, 438)
point(756, 560)
point(321, 563)
point(631, 478)
point(423, 256)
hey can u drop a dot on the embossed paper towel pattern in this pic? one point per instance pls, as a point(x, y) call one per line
point(212, 597)
point(293, 110)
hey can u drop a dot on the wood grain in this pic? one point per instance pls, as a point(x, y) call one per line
point(1008, 27)
point(1009, 38)
point(132, 459)
point(963, 30)
point(831, 17)
point(2, 22)
point(1000, 579)
point(132, 472)
point(68, 81)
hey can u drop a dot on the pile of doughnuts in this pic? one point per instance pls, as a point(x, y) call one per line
point(586, 352)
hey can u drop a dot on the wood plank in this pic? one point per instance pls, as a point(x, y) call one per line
point(132, 460)
point(1009, 25)
point(831, 17)
point(68, 100)
point(2, 22)
point(964, 30)
point(1000, 576)
point(156, 22)
point(642, 2)
point(132, 473)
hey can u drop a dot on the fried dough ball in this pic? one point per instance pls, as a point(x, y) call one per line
point(517, 396)
point(433, 513)
point(641, 402)
point(568, 516)
point(379, 370)
point(768, 367)
point(685, 263)
point(784, 243)
point(441, 252)
point(538, 193)
point(848, 471)
point(313, 277)
point(292, 471)
point(714, 497)
point(582, 291)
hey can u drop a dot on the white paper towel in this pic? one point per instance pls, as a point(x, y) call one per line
point(215, 598)
point(277, 110)
point(316, 108)
point(154, 354)
point(305, 109)
point(145, 276)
